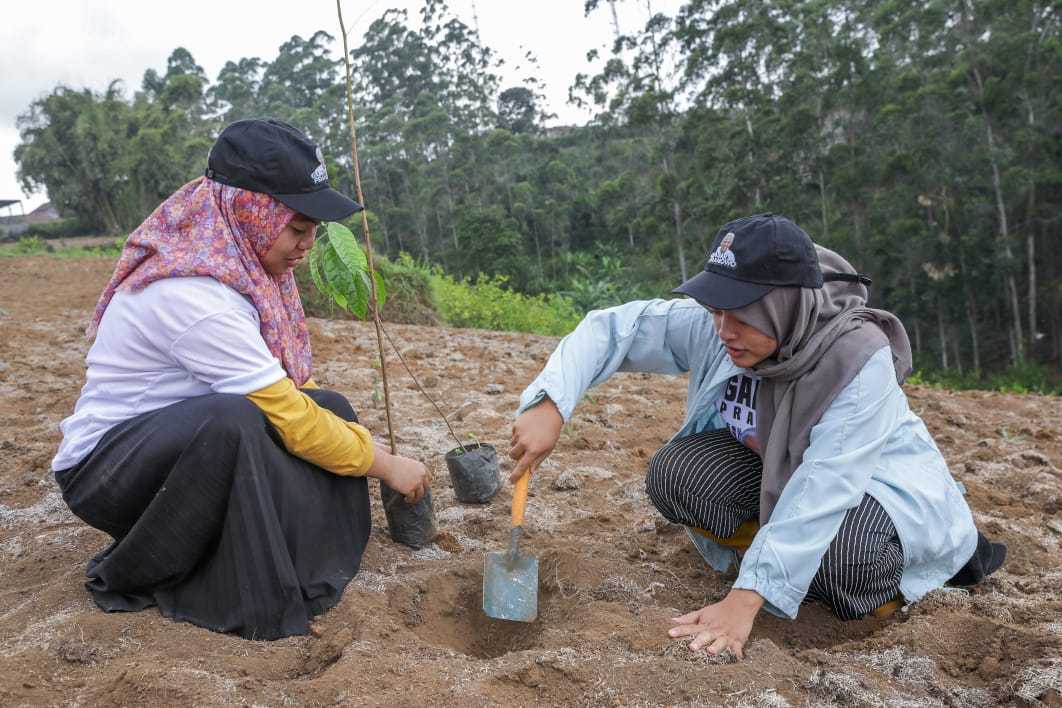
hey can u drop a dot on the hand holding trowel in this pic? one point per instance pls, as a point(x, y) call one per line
point(510, 579)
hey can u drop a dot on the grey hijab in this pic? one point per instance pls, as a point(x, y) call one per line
point(825, 336)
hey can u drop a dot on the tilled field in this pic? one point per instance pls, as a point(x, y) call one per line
point(409, 630)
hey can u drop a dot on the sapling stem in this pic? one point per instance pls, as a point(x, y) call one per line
point(373, 301)
point(421, 389)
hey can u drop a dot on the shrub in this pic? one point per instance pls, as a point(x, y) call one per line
point(36, 246)
point(409, 292)
point(1029, 377)
point(107, 250)
point(31, 246)
point(58, 228)
point(487, 303)
point(422, 294)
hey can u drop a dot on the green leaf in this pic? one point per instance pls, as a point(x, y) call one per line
point(315, 265)
point(342, 284)
point(381, 291)
point(360, 279)
point(346, 271)
point(347, 248)
point(317, 270)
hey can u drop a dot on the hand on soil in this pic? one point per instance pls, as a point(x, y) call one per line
point(722, 626)
point(406, 476)
point(535, 433)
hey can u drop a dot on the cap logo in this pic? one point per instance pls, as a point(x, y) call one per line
point(320, 173)
point(723, 255)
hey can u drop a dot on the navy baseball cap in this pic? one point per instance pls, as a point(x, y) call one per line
point(278, 159)
point(750, 257)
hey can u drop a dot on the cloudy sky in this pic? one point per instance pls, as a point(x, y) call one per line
point(83, 43)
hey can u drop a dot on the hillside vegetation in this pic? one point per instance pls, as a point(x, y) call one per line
point(919, 139)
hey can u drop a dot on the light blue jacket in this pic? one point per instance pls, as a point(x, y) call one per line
point(867, 442)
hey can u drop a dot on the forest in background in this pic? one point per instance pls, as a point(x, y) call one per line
point(923, 140)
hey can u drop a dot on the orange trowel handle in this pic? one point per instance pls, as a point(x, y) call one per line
point(520, 497)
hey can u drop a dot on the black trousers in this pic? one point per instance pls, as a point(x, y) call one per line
point(215, 521)
point(711, 481)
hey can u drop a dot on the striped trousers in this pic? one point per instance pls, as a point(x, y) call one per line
point(711, 481)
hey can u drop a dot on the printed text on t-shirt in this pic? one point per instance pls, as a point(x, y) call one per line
point(738, 408)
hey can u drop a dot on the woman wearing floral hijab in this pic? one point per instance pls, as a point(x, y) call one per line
point(799, 459)
point(233, 486)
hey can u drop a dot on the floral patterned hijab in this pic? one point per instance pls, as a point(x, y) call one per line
point(206, 228)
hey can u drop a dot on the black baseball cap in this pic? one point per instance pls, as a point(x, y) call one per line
point(278, 159)
point(750, 257)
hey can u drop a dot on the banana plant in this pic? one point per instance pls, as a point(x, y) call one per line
point(340, 270)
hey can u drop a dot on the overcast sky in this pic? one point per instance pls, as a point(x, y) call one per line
point(83, 43)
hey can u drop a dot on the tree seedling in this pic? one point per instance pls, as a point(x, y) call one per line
point(346, 274)
point(341, 271)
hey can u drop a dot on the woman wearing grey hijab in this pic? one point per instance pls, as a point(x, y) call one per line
point(799, 458)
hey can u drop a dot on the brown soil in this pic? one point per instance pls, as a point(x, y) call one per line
point(409, 630)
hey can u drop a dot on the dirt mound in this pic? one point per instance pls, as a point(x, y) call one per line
point(409, 629)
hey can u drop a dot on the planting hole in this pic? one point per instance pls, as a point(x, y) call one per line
point(451, 615)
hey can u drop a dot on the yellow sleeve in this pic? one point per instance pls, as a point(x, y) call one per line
point(313, 433)
point(310, 383)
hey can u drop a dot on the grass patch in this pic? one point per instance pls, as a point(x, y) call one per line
point(36, 246)
point(1029, 377)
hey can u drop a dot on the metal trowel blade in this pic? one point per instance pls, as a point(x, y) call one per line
point(510, 586)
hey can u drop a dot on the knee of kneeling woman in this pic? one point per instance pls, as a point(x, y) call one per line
point(658, 480)
point(334, 402)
